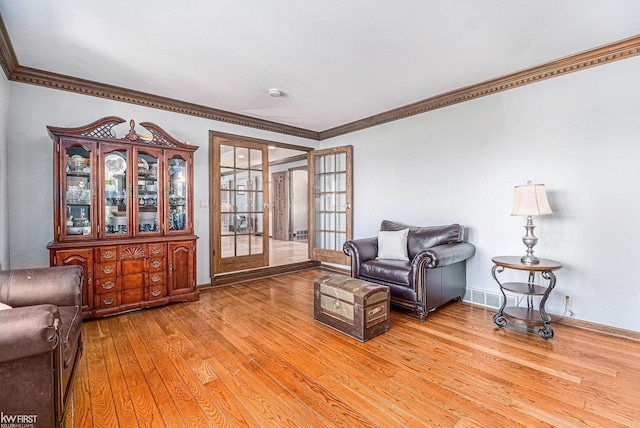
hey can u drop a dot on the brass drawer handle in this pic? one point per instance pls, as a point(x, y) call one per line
point(156, 278)
point(155, 264)
point(108, 285)
point(108, 300)
point(156, 293)
point(108, 255)
point(156, 251)
point(108, 269)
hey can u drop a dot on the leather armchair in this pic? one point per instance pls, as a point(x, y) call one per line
point(40, 342)
point(434, 275)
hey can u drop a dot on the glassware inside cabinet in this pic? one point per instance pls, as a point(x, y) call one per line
point(148, 201)
point(115, 192)
point(78, 191)
point(177, 174)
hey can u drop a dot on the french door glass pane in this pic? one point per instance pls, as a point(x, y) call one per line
point(341, 162)
point(331, 241)
point(330, 163)
point(228, 246)
point(226, 157)
point(255, 161)
point(341, 202)
point(330, 204)
point(256, 244)
point(341, 238)
point(329, 221)
point(341, 222)
point(242, 157)
point(242, 245)
point(329, 183)
point(341, 182)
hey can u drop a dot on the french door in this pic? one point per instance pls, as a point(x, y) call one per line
point(330, 196)
point(240, 227)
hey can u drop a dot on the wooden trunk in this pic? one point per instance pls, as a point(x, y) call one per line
point(354, 307)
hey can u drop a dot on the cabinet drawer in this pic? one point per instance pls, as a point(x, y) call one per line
point(107, 300)
point(106, 285)
point(156, 250)
point(133, 295)
point(132, 281)
point(156, 264)
point(156, 292)
point(128, 267)
point(156, 278)
point(105, 270)
point(107, 254)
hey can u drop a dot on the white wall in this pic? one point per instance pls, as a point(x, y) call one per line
point(578, 134)
point(30, 157)
point(4, 194)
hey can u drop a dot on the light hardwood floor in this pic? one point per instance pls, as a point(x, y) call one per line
point(252, 355)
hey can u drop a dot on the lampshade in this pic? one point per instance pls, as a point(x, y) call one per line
point(530, 199)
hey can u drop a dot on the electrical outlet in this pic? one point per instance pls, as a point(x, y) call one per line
point(567, 299)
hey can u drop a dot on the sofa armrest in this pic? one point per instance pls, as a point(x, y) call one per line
point(28, 331)
point(60, 286)
point(443, 255)
point(360, 250)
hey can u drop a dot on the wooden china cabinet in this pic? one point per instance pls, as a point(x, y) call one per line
point(123, 210)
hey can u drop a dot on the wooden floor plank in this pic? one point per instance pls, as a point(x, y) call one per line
point(251, 354)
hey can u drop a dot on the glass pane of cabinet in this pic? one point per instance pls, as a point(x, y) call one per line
point(149, 192)
point(177, 180)
point(116, 189)
point(78, 190)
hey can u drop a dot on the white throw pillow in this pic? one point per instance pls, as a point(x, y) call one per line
point(392, 245)
point(3, 306)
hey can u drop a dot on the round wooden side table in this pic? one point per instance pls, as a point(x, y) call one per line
point(528, 315)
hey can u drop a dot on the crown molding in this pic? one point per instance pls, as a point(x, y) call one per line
point(117, 93)
point(8, 59)
point(599, 56)
point(613, 52)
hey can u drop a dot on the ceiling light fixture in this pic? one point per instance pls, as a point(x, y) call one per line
point(275, 92)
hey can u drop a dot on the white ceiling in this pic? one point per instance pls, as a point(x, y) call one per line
point(336, 61)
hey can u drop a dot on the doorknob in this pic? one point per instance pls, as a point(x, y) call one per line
point(348, 206)
point(265, 206)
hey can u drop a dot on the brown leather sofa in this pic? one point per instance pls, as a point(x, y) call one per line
point(434, 274)
point(40, 342)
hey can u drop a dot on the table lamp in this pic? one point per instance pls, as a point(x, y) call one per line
point(530, 199)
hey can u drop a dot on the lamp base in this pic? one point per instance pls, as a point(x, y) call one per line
point(530, 260)
point(529, 241)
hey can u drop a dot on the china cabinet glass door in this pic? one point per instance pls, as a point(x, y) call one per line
point(148, 192)
point(177, 173)
point(78, 193)
point(116, 191)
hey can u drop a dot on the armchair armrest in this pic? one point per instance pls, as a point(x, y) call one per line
point(28, 331)
point(360, 250)
point(60, 286)
point(444, 255)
